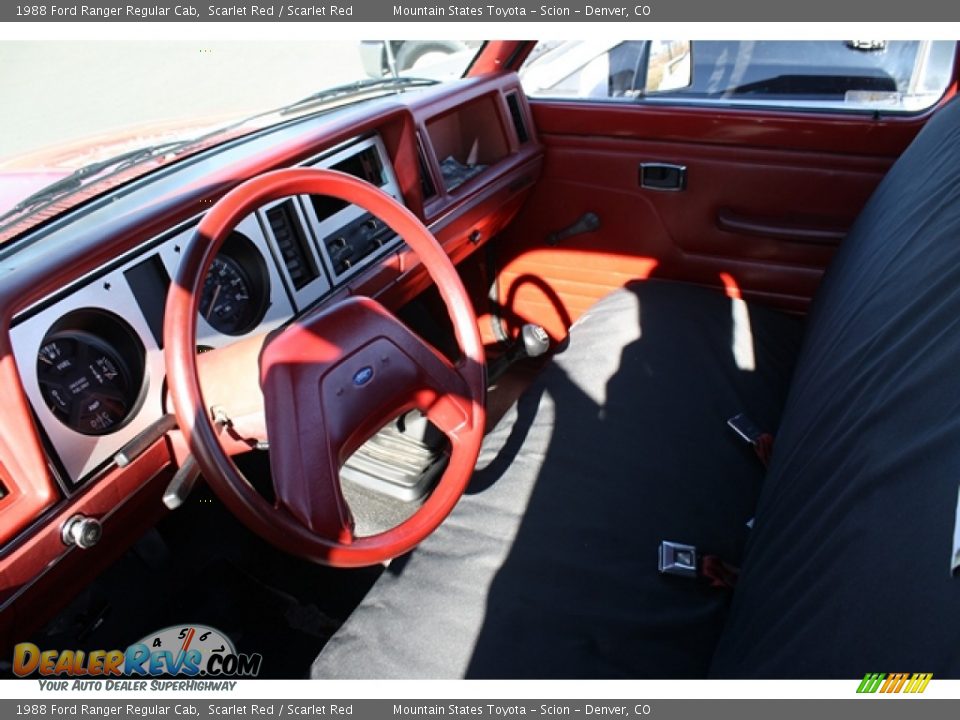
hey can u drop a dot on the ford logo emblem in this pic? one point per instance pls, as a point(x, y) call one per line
point(363, 376)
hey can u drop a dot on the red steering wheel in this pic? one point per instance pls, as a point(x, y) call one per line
point(329, 381)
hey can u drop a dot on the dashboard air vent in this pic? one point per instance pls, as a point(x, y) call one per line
point(292, 244)
point(516, 114)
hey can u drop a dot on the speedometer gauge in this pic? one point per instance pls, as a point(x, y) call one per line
point(236, 289)
point(227, 302)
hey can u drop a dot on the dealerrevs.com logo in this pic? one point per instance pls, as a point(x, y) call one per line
point(911, 683)
point(179, 650)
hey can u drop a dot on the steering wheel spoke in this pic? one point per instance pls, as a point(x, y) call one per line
point(451, 416)
point(307, 486)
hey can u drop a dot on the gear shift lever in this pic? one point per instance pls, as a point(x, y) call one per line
point(532, 342)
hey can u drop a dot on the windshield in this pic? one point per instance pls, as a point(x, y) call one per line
point(76, 105)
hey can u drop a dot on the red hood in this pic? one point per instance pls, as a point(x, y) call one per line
point(15, 185)
point(22, 175)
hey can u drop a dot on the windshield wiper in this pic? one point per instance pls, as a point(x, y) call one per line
point(76, 179)
point(360, 87)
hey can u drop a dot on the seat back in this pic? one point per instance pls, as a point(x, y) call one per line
point(847, 570)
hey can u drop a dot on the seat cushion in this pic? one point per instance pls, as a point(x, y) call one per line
point(548, 566)
point(848, 568)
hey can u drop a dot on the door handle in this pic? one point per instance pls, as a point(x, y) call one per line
point(663, 176)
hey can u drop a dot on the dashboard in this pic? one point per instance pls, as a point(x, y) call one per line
point(92, 361)
point(82, 300)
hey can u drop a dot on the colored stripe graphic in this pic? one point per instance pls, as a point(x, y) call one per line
point(919, 682)
point(894, 683)
point(870, 683)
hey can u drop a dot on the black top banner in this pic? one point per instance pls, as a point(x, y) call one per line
point(469, 10)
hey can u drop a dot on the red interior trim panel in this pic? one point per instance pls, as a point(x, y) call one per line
point(766, 198)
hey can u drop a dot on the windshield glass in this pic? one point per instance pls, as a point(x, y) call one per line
point(78, 104)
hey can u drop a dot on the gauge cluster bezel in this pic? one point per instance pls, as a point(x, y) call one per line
point(77, 456)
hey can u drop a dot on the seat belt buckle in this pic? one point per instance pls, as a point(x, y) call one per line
point(748, 430)
point(686, 561)
point(678, 559)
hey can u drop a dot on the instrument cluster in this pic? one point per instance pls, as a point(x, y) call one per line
point(92, 357)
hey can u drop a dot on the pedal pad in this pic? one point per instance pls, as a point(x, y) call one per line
point(403, 461)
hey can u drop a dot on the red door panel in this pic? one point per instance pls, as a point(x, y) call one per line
point(768, 197)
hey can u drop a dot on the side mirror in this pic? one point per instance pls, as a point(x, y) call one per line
point(669, 66)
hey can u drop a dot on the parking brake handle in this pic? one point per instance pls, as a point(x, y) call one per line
point(588, 223)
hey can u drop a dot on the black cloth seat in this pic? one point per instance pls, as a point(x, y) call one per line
point(547, 569)
point(548, 566)
point(848, 568)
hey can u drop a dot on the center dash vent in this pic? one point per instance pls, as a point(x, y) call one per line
point(292, 244)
